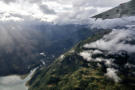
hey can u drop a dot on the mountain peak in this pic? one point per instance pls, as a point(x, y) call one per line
point(124, 9)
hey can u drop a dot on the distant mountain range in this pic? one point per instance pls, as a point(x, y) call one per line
point(23, 49)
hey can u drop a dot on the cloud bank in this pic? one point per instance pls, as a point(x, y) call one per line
point(117, 40)
point(112, 23)
point(112, 73)
point(58, 11)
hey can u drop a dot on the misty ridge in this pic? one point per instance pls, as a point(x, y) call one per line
point(122, 22)
point(115, 50)
point(117, 40)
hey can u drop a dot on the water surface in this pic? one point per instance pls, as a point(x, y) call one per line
point(14, 82)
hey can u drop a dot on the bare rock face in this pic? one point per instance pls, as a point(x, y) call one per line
point(125, 9)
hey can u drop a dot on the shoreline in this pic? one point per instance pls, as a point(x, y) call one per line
point(15, 82)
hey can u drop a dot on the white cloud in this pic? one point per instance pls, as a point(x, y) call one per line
point(116, 41)
point(64, 11)
point(111, 23)
point(87, 55)
point(112, 73)
point(97, 52)
point(8, 1)
point(62, 57)
point(25, 9)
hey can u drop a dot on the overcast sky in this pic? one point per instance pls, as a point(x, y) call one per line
point(54, 10)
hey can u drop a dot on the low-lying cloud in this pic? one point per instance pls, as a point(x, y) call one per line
point(111, 23)
point(116, 41)
point(112, 73)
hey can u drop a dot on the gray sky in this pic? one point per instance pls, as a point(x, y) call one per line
point(54, 10)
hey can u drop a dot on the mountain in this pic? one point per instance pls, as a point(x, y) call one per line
point(83, 68)
point(65, 72)
point(104, 61)
point(125, 9)
point(23, 48)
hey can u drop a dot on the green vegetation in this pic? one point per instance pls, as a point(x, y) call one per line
point(72, 72)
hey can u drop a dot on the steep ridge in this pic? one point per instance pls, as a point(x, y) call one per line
point(67, 71)
point(125, 9)
point(104, 61)
point(92, 65)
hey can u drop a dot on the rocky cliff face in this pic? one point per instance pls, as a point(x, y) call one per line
point(124, 9)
